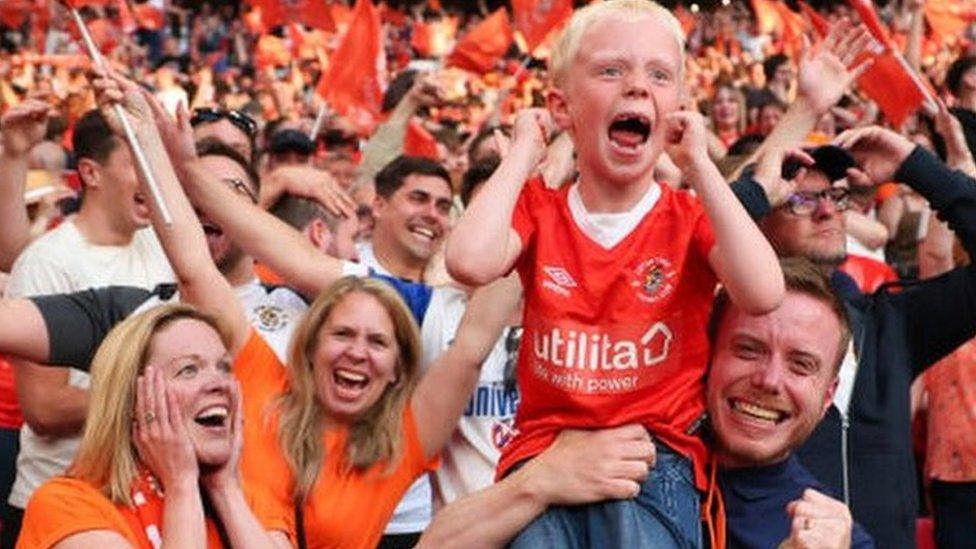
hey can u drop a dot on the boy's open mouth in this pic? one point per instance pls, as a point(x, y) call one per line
point(629, 130)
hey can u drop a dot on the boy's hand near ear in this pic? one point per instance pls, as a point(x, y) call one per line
point(686, 139)
point(531, 133)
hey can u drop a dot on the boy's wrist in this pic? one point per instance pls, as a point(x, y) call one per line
point(521, 158)
point(699, 169)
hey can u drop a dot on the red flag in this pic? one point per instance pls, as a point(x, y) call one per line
point(421, 38)
point(314, 13)
point(775, 17)
point(793, 29)
point(126, 21)
point(77, 4)
point(352, 85)
point(480, 49)
point(767, 17)
point(894, 86)
point(148, 17)
point(435, 5)
point(434, 38)
point(865, 9)
point(819, 22)
point(104, 34)
point(13, 14)
point(341, 14)
point(419, 142)
point(686, 19)
point(890, 82)
point(536, 19)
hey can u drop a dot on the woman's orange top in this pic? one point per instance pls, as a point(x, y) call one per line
point(64, 506)
point(347, 508)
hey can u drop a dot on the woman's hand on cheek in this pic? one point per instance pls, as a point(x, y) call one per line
point(160, 433)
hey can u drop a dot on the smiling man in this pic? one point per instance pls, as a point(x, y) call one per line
point(412, 211)
point(771, 381)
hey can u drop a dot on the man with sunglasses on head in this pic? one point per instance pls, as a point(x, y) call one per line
point(231, 127)
point(862, 449)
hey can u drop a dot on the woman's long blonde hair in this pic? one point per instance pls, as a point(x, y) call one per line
point(377, 435)
point(107, 456)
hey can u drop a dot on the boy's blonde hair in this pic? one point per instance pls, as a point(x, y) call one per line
point(569, 41)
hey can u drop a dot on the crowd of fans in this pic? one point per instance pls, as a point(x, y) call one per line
point(741, 312)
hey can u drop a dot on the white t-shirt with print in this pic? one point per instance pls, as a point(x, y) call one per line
point(469, 459)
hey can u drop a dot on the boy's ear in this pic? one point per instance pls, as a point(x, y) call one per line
point(556, 101)
point(89, 173)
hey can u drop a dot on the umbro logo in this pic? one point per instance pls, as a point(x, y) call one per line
point(558, 280)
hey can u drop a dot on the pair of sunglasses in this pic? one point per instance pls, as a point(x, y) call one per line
point(205, 115)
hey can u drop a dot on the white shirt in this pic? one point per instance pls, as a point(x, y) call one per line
point(274, 313)
point(469, 460)
point(63, 261)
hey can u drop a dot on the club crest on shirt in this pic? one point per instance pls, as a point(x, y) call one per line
point(271, 318)
point(501, 433)
point(652, 279)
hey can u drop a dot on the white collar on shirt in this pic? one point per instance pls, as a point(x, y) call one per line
point(609, 229)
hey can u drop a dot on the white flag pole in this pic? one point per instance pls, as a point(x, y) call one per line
point(319, 120)
point(141, 162)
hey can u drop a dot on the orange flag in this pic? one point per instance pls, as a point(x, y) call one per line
point(480, 49)
point(419, 142)
point(536, 19)
point(890, 82)
point(352, 85)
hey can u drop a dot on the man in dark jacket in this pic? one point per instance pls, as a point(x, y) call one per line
point(862, 449)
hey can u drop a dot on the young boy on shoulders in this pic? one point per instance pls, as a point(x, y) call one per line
point(618, 270)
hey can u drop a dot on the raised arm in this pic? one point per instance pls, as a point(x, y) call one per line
point(949, 301)
point(263, 236)
point(447, 386)
point(824, 77)
point(21, 127)
point(386, 143)
point(935, 251)
point(484, 246)
point(754, 280)
point(201, 284)
point(580, 467)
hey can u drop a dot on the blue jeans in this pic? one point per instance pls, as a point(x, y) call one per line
point(665, 514)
